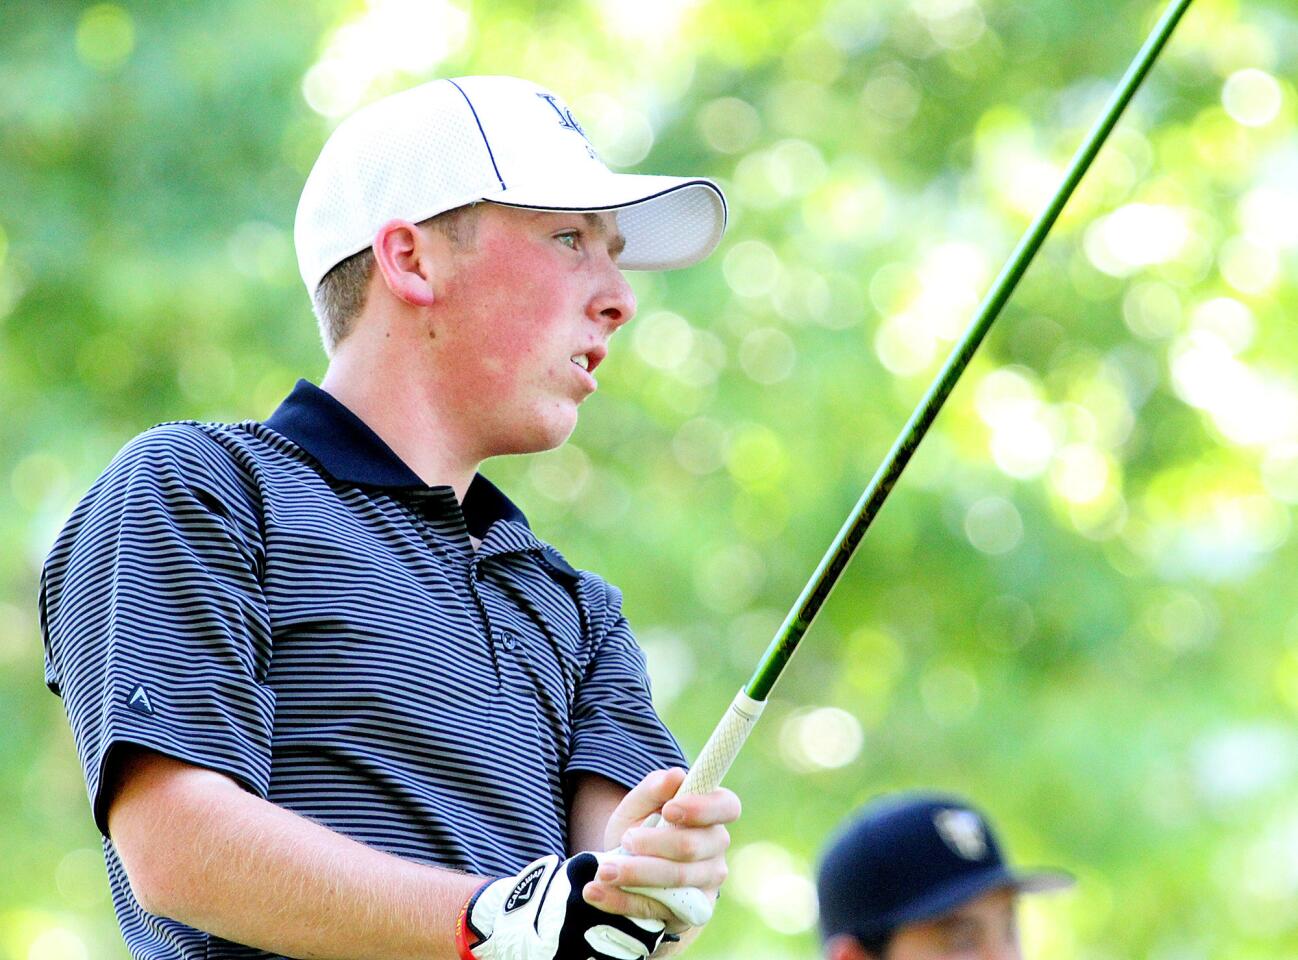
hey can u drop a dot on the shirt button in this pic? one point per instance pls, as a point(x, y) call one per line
point(506, 639)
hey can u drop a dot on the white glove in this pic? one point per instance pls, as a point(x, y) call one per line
point(540, 914)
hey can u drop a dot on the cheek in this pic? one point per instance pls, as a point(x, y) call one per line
point(516, 304)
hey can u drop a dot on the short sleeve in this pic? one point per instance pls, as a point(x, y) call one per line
point(156, 632)
point(616, 731)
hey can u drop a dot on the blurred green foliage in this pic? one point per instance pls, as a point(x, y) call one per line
point(1076, 608)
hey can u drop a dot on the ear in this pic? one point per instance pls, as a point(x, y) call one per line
point(844, 947)
point(405, 262)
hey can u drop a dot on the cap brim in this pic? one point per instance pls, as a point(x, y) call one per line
point(946, 899)
point(668, 222)
point(1043, 881)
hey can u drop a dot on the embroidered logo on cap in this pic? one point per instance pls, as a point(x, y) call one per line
point(566, 119)
point(139, 701)
point(963, 832)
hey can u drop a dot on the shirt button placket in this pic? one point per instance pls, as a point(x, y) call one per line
point(494, 642)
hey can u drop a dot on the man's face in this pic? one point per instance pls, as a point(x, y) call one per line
point(532, 291)
point(982, 929)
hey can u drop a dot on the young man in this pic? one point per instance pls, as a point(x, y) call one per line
point(332, 696)
point(921, 877)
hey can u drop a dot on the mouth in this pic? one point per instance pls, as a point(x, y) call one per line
point(589, 359)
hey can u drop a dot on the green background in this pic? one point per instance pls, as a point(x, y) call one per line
point(1077, 606)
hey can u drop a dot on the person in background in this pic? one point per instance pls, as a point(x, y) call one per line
point(921, 876)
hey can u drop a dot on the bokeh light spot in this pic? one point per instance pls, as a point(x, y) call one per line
point(1179, 622)
point(821, 738)
point(645, 23)
point(1249, 267)
point(82, 878)
point(993, 525)
point(57, 943)
point(775, 886)
point(1269, 215)
point(1242, 761)
point(1252, 97)
point(728, 124)
point(729, 577)
point(561, 474)
point(1228, 319)
point(700, 446)
point(1081, 473)
point(624, 135)
point(1023, 439)
point(663, 339)
point(1136, 236)
point(1152, 310)
point(105, 37)
point(670, 661)
point(751, 268)
point(37, 479)
point(260, 251)
point(1286, 678)
point(892, 92)
point(756, 458)
point(767, 355)
point(904, 346)
point(954, 24)
point(388, 37)
point(1280, 472)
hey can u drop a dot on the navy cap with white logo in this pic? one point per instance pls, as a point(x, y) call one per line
point(912, 857)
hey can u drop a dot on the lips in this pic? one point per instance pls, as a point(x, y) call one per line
point(590, 358)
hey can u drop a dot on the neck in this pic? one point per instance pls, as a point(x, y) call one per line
point(384, 389)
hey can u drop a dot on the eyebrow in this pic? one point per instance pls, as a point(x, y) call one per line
point(616, 243)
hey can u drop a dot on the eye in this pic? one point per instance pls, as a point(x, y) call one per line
point(570, 239)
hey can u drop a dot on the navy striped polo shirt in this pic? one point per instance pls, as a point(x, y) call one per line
point(287, 603)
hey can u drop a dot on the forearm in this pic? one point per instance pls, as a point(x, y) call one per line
point(202, 851)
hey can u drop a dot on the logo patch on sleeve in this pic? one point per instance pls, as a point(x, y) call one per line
point(524, 890)
point(139, 701)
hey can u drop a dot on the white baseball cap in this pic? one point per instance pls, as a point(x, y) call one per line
point(448, 143)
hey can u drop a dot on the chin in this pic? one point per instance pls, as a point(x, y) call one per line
point(544, 435)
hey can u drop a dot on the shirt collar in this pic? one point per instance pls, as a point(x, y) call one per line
point(349, 451)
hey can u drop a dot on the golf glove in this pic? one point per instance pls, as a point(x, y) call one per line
point(540, 915)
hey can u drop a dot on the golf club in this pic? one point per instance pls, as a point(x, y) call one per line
point(730, 733)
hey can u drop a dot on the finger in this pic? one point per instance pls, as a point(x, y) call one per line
point(613, 899)
point(677, 843)
point(648, 796)
point(656, 872)
point(703, 809)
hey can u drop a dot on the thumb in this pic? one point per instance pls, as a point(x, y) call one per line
point(645, 798)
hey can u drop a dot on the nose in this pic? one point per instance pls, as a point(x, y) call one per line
point(614, 304)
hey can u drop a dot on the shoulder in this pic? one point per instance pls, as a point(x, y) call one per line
point(177, 481)
point(245, 455)
point(184, 444)
point(177, 469)
point(210, 457)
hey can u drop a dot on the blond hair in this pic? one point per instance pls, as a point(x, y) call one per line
point(340, 297)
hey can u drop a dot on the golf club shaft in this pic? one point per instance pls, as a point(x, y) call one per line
point(724, 744)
